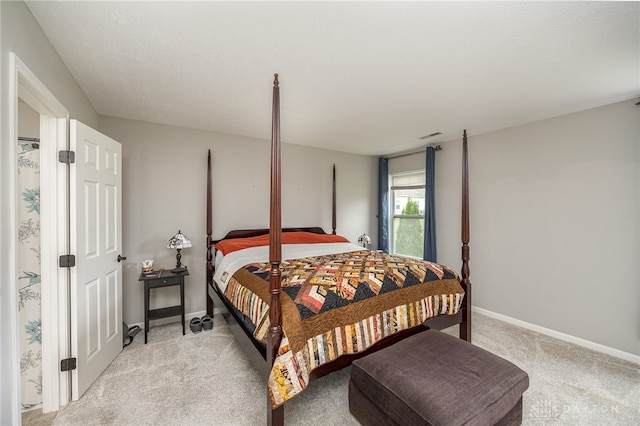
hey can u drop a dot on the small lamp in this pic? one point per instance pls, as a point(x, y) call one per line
point(364, 240)
point(179, 241)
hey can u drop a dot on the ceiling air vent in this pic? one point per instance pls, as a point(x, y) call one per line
point(430, 136)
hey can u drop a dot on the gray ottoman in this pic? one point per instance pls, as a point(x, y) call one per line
point(436, 379)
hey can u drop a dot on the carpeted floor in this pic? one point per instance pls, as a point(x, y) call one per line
point(205, 379)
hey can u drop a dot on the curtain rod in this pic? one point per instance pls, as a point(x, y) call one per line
point(24, 139)
point(405, 154)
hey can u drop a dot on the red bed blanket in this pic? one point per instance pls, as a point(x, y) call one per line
point(340, 304)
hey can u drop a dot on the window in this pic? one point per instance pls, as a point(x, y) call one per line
point(407, 199)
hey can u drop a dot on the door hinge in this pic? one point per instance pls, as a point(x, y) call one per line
point(67, 157)
point(68, 364)
point(67, 261)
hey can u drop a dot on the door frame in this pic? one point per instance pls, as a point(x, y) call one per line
point(54, 234)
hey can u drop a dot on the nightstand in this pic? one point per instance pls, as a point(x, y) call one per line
point(162, 279)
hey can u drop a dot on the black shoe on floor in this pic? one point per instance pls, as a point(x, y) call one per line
point(207, 322)
point(195, 325)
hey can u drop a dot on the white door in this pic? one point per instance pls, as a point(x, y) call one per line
point(96, 241)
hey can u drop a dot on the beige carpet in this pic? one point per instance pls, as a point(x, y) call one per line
point(205, 379)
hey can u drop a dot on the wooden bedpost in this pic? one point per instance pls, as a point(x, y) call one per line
point(275, 416)
point(333, 208)
point(465, 325)
point(209, 240)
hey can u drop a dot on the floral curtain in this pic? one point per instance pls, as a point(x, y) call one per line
point(29, 274)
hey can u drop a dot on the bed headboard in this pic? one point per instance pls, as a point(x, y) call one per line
point(246, 233)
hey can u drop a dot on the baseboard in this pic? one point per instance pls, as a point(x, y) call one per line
point(561, 336)
point(163, 321)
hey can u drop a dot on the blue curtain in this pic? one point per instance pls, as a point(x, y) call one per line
point(383, 206)
point(429, 207)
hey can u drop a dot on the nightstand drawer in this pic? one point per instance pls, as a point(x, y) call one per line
point(161, 282)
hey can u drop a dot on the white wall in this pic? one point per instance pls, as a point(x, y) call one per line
point(29, 123)
point(164, 189)
point(20, 33)
point(554, 222)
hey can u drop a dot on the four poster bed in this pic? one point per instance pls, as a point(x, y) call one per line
point(330, 301)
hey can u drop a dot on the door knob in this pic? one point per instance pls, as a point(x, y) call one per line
point(121, 258)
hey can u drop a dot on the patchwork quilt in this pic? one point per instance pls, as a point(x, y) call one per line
point(340, 304)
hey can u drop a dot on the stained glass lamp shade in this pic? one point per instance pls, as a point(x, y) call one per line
point(364, 240)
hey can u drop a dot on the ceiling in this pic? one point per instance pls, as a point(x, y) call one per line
point(362, 77)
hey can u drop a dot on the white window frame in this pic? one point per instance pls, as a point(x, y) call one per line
point(392, 200)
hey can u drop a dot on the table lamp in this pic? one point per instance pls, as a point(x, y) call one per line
point(179, 241)
point(364, 240)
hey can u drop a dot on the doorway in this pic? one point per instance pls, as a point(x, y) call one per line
point(29, 98)
point(67, 325)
